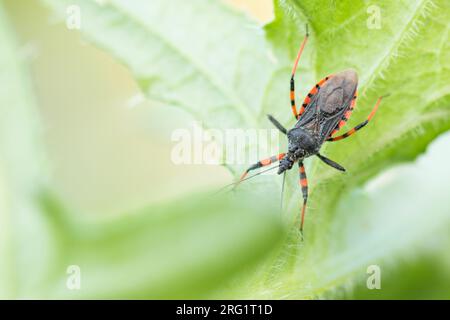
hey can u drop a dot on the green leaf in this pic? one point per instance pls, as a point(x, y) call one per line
point(408, 58)
point(202, 57)
point(26, 249)
point(182, 249)
point(163, 45)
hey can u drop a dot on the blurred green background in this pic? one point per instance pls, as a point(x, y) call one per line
point(86, 177)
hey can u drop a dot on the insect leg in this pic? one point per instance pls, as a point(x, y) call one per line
point(292, 94)
point(359, 126)
point(260, 164)
point(330, 162)
point(278, 125)
point(304, 185)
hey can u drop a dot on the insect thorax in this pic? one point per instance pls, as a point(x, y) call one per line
point(301, 144)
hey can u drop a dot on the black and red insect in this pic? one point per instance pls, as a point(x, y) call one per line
point(324, 111)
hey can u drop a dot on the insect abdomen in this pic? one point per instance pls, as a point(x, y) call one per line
point(337, 92)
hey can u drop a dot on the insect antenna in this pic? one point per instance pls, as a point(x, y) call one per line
point(247, 178)
point(282, 191)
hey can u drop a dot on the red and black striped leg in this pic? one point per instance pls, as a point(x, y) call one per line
point(260, 164)
point(304, 185)
point(292, 95)
point(359, 126)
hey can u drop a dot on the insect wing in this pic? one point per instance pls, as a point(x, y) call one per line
point(328, 108)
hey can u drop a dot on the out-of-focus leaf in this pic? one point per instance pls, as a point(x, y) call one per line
point(179, 250)
point(26, 250)
point(424, 277)
point(197, 55)
point(182, 249)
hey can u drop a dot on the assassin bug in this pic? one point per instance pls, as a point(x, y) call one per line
point(324, 111)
